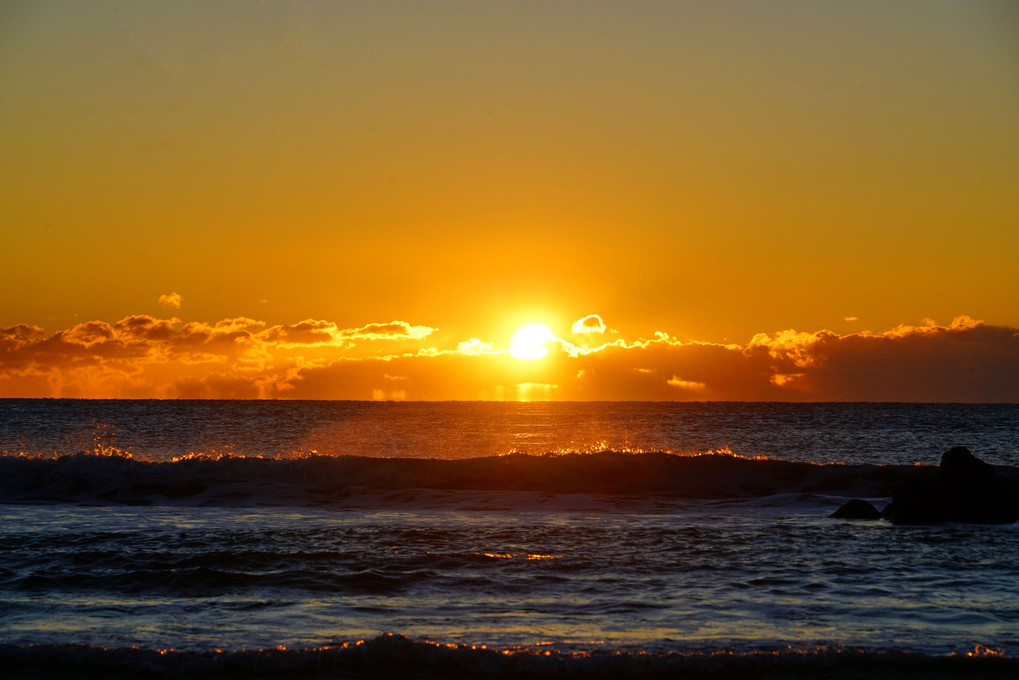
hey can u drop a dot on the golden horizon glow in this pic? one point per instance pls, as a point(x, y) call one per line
point(531, 341)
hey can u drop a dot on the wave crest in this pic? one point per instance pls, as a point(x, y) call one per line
point(331, 481)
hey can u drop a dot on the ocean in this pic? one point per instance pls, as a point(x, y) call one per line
point(250, 539)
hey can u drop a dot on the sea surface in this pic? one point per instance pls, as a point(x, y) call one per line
point(359, 539)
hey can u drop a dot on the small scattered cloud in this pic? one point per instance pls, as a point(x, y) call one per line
point(592, 323)
point(851, 318)
point(475, 346)
point(174, 300)
point(676, 381)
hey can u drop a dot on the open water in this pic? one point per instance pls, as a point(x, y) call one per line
point(355, 539)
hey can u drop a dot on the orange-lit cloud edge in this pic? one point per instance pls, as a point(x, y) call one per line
point(142, 356)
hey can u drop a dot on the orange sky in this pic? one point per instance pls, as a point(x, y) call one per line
point(290, 178)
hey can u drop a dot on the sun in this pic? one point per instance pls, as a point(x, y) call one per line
point(531, 341)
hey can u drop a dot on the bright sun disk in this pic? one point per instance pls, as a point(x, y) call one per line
point(531, 341)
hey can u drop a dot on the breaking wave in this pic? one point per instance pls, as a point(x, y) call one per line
point(351, 480)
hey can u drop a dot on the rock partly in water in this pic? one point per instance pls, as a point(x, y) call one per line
point(971, 490)
point(857, 509)
point(917, 503)
point(968, 490)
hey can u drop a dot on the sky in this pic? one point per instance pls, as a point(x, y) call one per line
point(366, 200)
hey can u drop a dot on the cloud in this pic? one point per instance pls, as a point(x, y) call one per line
point(800, 349)
point(475, 346)
point(922, 364)
point(394, 330)
point(15, 337)
point(307, 332)
point(172, 300)
point(141, 326)
point(88, 334)
point(592, 323)
point(216, 386)
point(313, 332)
point(966, 361)
point(145, 356)
point(676, 381)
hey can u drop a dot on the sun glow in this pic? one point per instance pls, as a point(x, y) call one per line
point(531, 341)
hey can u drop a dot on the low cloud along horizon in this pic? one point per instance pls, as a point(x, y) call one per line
point(143, 356)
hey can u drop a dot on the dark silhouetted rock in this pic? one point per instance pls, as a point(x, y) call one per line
point(967, 491)
point(918, 503)
point(856, 509)
point(970, 489)
point(962, 467)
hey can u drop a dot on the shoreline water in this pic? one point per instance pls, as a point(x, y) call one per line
point(395, 656)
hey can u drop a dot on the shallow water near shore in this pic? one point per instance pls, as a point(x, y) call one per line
point(697, 577)
point(578, 560)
